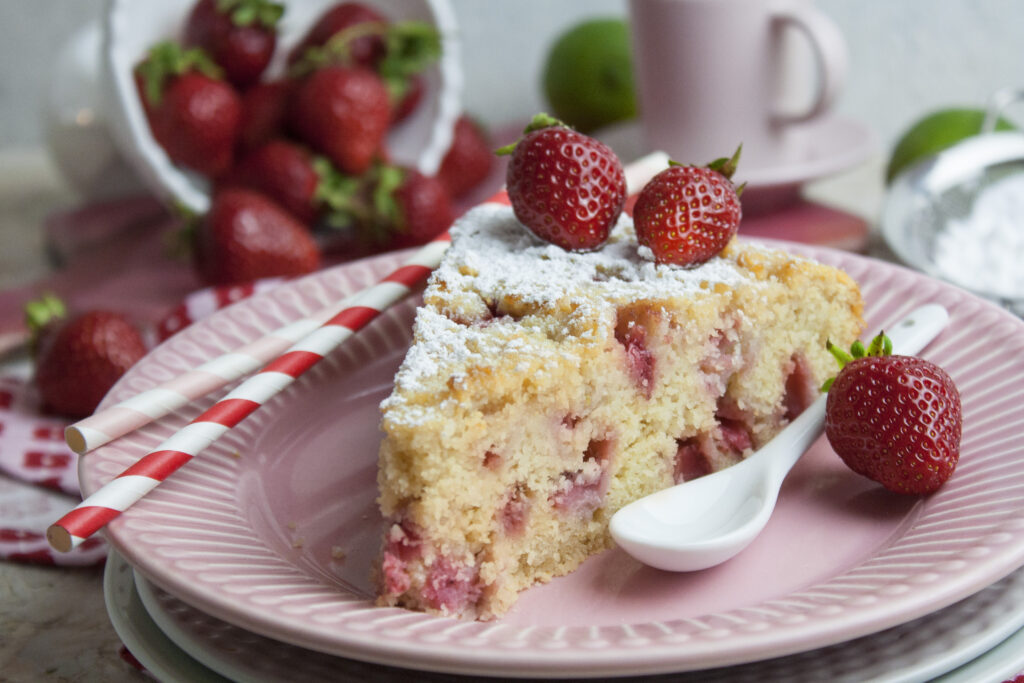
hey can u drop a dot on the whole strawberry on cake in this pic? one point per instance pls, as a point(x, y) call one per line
point(569, 359)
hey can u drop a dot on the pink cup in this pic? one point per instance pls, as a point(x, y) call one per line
point(712, 74)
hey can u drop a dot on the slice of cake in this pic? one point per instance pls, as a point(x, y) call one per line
point(545, 389)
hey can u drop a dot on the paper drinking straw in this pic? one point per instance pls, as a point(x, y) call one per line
point(134, 483)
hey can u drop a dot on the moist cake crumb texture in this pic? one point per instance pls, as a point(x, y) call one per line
point(545, 389)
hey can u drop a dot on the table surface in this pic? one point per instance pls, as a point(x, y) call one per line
point(53, 620)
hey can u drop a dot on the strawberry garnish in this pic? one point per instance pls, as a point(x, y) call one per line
point(565, 187)
point(246, 236)
point(344, 113)
point(240, 35)
point(894, 419)
point(193, 114)
point(469, 159)
point(687, 214)
point(78, 359)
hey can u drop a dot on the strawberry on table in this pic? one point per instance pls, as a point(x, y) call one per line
point(566, 187)
point(193, 114)
point(344, 113)
point(246, 236)
point(79, 358)
point(240, 35)
point(469, 159)
point(687, 214)
point(894, 419)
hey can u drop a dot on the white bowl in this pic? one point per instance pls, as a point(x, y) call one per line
point(131, 27)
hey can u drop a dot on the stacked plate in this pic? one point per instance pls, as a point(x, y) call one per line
point(254, 560)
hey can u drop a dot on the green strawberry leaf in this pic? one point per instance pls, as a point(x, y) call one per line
point(877, 345)
point(410, 47)
point(179, 244)
point(880, 345)
point(386, 210)
point(249, 12)
point(542, 120)
point(538, 122)
point(337, 50)
point(340, 194)
point(168, 59)
point(42, 311)
point(727, 165)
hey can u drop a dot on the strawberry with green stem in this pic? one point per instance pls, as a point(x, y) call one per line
point(894, 419)
point(306, 185)
point(398, 207)
point(365, 50)
point(78, 358)
point(240, 35)
point(687, 214)
point(407, 49)
point(193, 114)
point(565, 187)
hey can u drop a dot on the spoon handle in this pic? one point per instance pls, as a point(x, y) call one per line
point(918, 329)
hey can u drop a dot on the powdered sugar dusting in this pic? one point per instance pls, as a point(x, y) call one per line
point(493, 259)
point(502, 258)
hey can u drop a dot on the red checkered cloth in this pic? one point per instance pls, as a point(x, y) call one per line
point(32, 449)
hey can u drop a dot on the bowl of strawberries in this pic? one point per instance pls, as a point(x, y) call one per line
point(196, 87)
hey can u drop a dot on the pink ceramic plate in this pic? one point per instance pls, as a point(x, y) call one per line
point(273, 529)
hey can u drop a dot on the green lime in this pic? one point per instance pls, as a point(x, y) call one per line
point(588, 76)
point(934, 133)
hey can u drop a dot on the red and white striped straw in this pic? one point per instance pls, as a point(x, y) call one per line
point(134, 483)
point(96, 511)
point(114, 422)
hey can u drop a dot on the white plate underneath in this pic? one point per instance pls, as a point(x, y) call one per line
point(980, 638)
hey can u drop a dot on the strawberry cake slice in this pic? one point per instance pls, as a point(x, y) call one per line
point(547, 388)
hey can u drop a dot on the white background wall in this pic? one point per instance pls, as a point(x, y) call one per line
point(907, 56)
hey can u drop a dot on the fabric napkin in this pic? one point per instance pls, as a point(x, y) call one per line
point(33, 451)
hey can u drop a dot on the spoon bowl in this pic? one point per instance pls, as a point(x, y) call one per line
point(705, 521)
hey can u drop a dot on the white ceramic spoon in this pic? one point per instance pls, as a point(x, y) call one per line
point(704, 522)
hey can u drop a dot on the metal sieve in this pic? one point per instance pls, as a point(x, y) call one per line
point(929, 200)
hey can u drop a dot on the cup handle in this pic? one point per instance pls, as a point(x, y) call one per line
point(829, 48)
